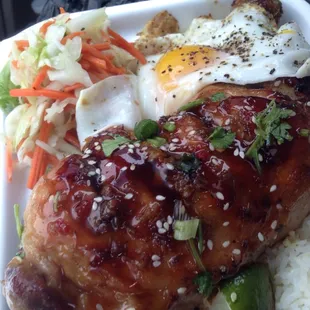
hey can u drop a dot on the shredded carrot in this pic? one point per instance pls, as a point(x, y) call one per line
point(45, 26)
point(39, 163)
point(51, 159)
point(87, 48)
point(9, 160)
point(85, 64)
point(40, 77)
point(53, 94)
point(15, 64)
point(73, 87)
point(62, 10)
point(71, 137)
point(102, 46)
point(71, 36)
point(121, 42)
point(96, 61)
point(22, 44)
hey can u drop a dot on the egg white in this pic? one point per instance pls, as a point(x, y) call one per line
point(250, 50)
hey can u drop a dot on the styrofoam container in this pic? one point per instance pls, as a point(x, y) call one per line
point(127, 20)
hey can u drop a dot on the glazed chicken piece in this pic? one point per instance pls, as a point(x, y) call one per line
point(99, 230)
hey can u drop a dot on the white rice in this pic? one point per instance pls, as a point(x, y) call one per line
point(289, 263)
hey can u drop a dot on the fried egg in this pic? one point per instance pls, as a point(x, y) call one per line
point(244, 48)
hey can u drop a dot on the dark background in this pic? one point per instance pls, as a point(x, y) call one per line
point(16, 15)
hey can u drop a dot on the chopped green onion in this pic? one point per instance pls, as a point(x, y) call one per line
point(191, 105)
point(204, 283)
point(109, 146)
point(146, 129)
point(200, 238)
point(157, 141)
point(169, 126)
point(304, 132)
point(19, 226)
point(55, 201)
point(185, 230)
point(218, 97)
point(195, 254)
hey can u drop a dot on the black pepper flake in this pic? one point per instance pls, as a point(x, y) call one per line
point(275, 52)
point(156, 99)
point(272, 71)
point(174, 96)
point(163, 72)
point(296, 62)
point(226, 76)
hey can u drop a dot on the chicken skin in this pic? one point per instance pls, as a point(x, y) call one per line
point(99, 230)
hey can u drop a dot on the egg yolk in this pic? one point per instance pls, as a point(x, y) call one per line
point(183, 61)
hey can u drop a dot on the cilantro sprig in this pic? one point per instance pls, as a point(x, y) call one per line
point(270, 129)
point(221, 139)
point(109, 146)
point(218, 97)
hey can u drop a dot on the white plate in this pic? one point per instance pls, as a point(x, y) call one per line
point(127, 20)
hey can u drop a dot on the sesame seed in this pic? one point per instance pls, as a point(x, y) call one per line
point(99, 307)
point(172, 148)
point(226, 206)
point(220, 196)
point(98, 199)
point(260, 157)
point(223, 268)
point(95, 206)
point(88, 151)
point(226, 244)
point(192, 132)
point(128, 196)
point(225, 224)
point(88, 183)
point(261, 237)
point(274, 225)
point(162, 230)
point(122, 146)
point(91, 173)
point(137, 144)
point(236, 152)
point(211, 147)
point(109, 164)
point(156, 264)
point(91, 162)
point(160, 198)
point(181, 290)
point(236, 252)
point(227, 122)
point(155, 257)
point(241, 154)
point(279, 206)
point(159, 224)
point(131, 308)
point(253, 119)
point(273, 188)
point(130, 151)
point(131, 146)
point(163, 148)
point(169, 220)
point(170, 166)
point(166, 226)
point(98, 171)
point(81, 166)
point(144, 148)
point(85, 156)
point(210, 245)
point(102, 178)
point(233, 297)
point(124, 168)
point(98, 148)
point(132, 167)
point(175, 140)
